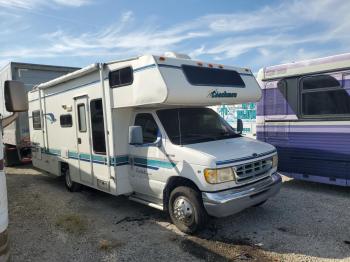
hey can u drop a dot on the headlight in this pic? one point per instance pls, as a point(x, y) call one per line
point(275, 160)
point(216, 176)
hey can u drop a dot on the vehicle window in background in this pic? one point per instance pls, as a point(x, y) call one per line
point(194, 125)
point(323, 95)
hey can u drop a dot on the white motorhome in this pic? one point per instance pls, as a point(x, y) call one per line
point(15, 101)
point(141, 127)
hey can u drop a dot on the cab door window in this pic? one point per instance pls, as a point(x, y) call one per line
point(149, 127)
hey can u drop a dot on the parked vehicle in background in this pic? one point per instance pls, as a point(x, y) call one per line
point(246, 112)
point(305, 114)
point(16, 135)
point(141, 127)
point(15, 101)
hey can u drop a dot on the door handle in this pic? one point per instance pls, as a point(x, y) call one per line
point(79, 140)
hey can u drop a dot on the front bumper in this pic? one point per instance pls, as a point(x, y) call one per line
point(229, 202)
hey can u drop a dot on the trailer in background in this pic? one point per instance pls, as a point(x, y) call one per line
point(246, 112)
point(16, 135)
point(305, 113)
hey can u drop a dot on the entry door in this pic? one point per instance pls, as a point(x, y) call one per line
point(83, 131)
point(147, 160)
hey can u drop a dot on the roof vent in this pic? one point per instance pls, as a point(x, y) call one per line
point(176, 55)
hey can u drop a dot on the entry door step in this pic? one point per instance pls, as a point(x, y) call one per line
point(146, 202)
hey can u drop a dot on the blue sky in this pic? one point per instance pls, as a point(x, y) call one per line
point(243, 33)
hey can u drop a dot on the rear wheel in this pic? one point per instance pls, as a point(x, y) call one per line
point(186, 209)
point(70, 185)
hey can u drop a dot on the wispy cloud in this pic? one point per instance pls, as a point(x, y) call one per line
point(32, 4)
point(272, 34)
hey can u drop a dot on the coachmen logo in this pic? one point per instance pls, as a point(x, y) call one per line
point(217, 94)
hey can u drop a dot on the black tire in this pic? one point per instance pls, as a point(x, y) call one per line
point(181, 197)
point(260, 204)
point(70, 185)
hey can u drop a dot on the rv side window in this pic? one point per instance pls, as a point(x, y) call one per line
point(66, 120)
point(121, 77)
point(81, 118)
point(205, 76)
point(97, 127)
point(323, 96)
point(149, 127)
point(36, 119)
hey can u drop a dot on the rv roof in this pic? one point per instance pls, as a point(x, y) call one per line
point(307, 66)
point(93, 67)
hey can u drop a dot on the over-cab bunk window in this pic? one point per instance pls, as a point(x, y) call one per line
point(205, 76)
point(121, 77)
point(97, 127)
point(324, 95)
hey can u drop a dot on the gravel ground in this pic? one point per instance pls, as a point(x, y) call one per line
point(305, 222)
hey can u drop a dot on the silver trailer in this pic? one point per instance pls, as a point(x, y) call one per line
point(16, 136)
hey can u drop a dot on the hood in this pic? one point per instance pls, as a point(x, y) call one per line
point(234, 150)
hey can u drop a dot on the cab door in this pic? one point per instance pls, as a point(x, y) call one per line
point(147, 160)
point(84, 149)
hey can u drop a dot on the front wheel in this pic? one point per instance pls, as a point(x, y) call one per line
point(186, 209)
point(70, 185)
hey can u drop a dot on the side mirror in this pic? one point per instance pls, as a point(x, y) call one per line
point(135, 135)
point(239, 128)
point(15, 96)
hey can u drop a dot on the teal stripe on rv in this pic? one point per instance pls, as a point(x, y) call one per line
point(154, 163)
point(115, 161)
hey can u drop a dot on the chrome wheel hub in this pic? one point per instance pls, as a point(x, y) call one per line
point(183, 209)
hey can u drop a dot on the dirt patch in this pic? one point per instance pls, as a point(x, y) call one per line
point(107, 245)
point(72, 223)
point(211, 250)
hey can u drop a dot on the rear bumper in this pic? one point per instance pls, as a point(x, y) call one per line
point(4, 246)
point(228, 202)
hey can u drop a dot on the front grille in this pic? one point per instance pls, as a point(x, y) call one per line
point(253, 170)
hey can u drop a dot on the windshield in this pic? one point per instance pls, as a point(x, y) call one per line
point(194, 125)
